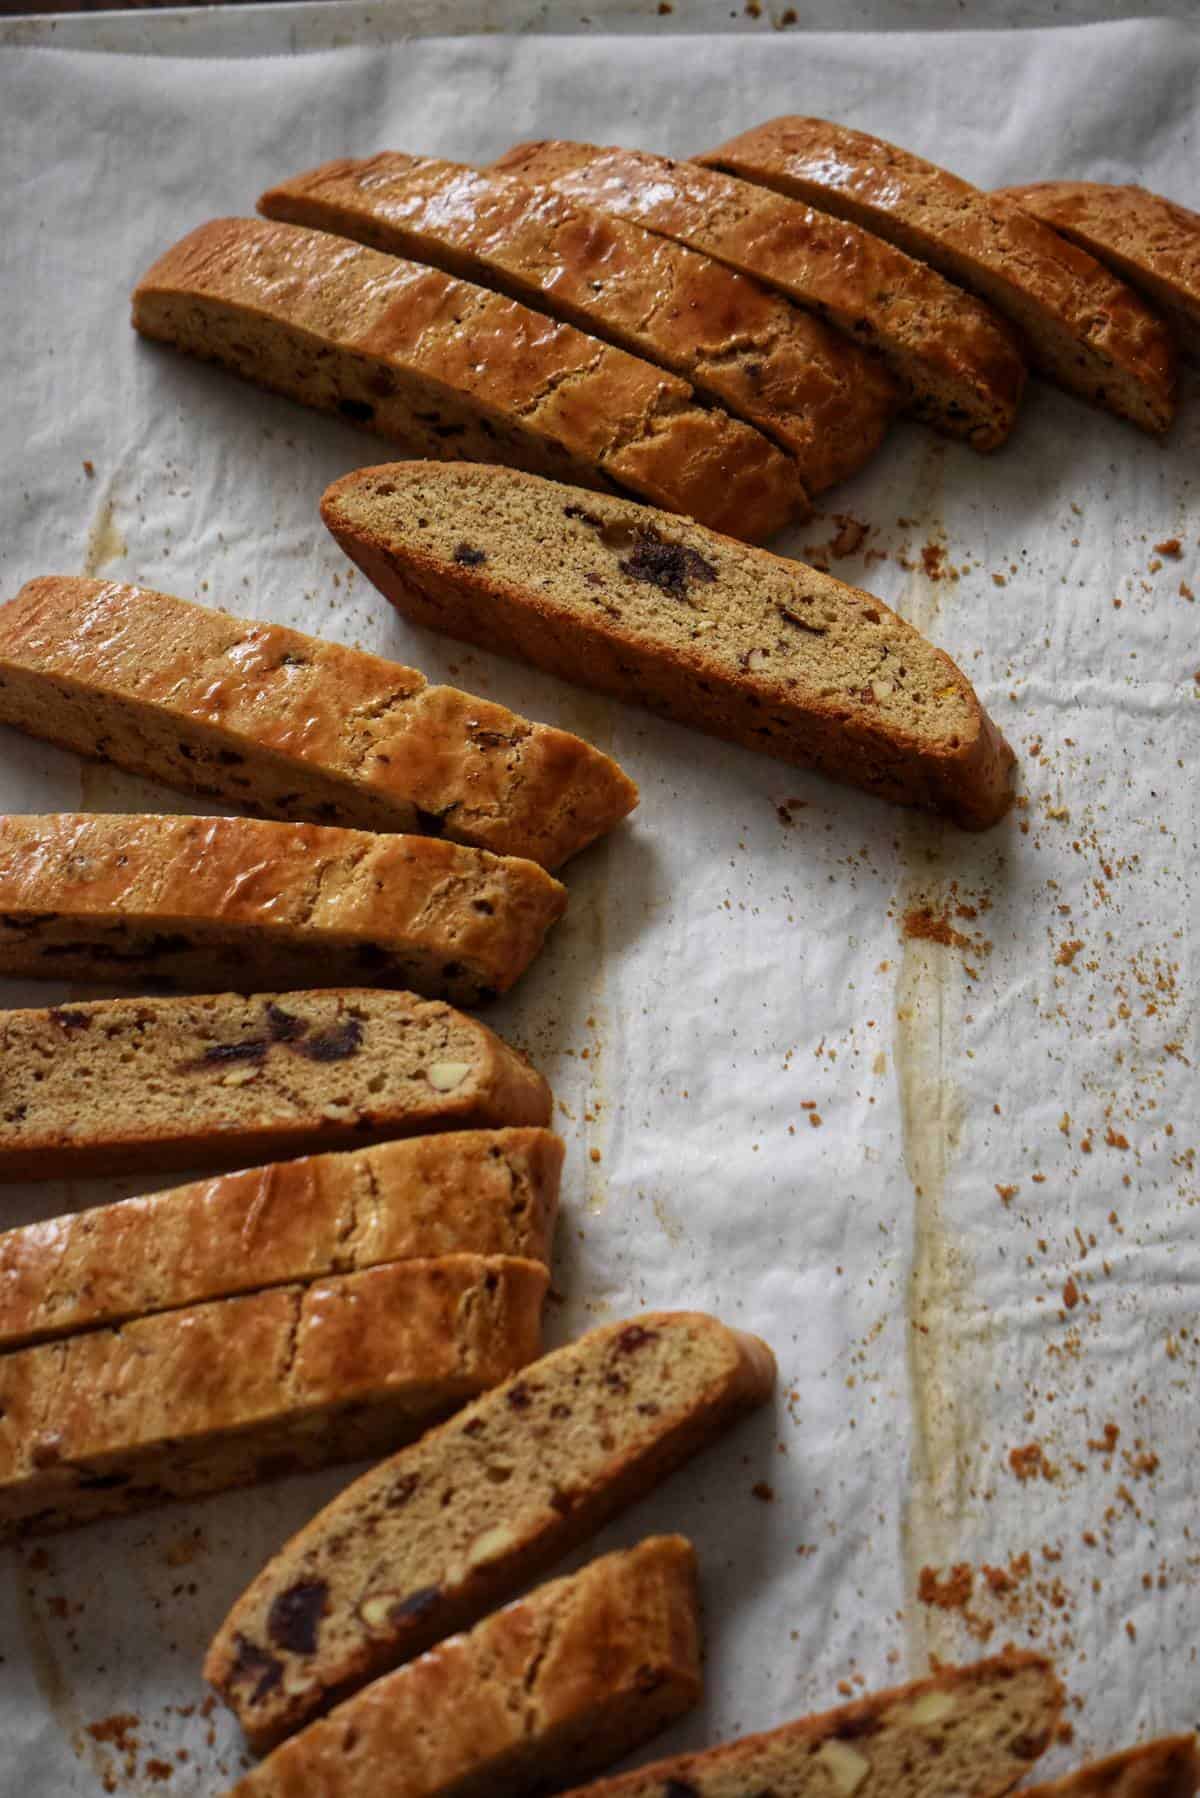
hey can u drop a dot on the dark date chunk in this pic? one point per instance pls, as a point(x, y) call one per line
point(217, 1054)
point(253, 1666)
point(632, 1337)
point(284, 1026)
point(70, 1020)
point(668, 566)
point(519, 1397)
point(467, 556)
point(338, 1043)
point(295, 1616)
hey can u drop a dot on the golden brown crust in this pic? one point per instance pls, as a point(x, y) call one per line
point(1152, 243)
point(452, 370)
point(553, 1687)
point(1080, 326)
point(1167, 1768)
point(243, 1389)
point(817, 395)
point(761, 651)
point(279, 722)
point(535, 1468)
point(483, 1192)
point(206, 904)
point(222, 1080)
point(973, 1729)
point(958, 364)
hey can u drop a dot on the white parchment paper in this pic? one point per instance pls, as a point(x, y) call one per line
point(953, 1182)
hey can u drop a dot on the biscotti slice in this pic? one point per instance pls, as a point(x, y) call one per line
point(223, 1080)
point(246, 1389)
point(817, 395)
point(1167, 1768)
point(970, 1731)
point(554, 1687)
point(435, 1536)
point(958, 364)
point(453, 371)
point(273, 721)
point(1080, 326)
point(762, 651)
point(208, 904)
point(483, 1192)
point(1152, 243)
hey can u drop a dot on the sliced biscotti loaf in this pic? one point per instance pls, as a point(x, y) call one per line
point(1167, 1768)
point(762, 651)
point(223, 1080)
point(1080, 325)
point(429, 1540)
point(972, 1731)
point(245, 1389)
point(483, 1192)
point(209, 904)
point(815, 393)
point(277, 722)
point(958, 365)
point(1152, 243)
point(452, 370)
point(552, 1688)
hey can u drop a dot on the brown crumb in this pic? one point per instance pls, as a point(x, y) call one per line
point(117, 1729)
point(949, 1594)
point(1114, 1139)
point(89, 469)
point(1008, 1193)
point(764, 1493)
point(1170, 546)
point(1029, 1462)
point(159, 1771)
point(999, 580)
point(1105, 1444)
point(1070, 1295)
point(1065, 958)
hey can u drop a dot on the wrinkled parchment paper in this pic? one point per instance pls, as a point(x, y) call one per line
point(950, 1175)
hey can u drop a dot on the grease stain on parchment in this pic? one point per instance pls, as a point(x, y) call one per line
point(942, 1333)
point(105, 543)
point(54, 1685)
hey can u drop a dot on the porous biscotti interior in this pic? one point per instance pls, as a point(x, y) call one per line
point(750, 616)
point(974, 1729)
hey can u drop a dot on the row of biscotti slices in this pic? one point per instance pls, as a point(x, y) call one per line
point(635, 602)
point(274, 1319)
point(419, 308)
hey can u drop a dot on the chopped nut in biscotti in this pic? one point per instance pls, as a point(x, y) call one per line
point(435, 1539)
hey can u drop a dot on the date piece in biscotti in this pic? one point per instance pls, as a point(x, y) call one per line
point(456, 372)
point(284, 724)
point(1167, 1768)
point(968, 1730)
point(245, 1389)
point(958, 364)
point(482, 1192)
point(552, 1688)
point(709, 632)
point(1080, 326)
point(1152, 243)
point(432, 1538)
point(222, 1080)
point(214, 904)
point(816, 394)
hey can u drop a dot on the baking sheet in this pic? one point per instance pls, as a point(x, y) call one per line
point(952, 1181)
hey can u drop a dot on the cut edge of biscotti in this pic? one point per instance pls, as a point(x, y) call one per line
point(87, 664)
point(1168, 1767)
point(976, 1729)
point(483, 1192)
point(647, 607)
point(222, 1080)
point(532, 1470)
point(1082, 327)
point(1151, 242)
point(571, 1677)
point(774, 368)
point(179, 1404)
point(451, 369)
point(216, 904)
point(959, 364)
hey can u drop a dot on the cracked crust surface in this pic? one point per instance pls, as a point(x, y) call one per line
point(433, 1537)
point(1152, 243)
point(550, 1689)
point(454, 371)
point(959, 366)
point(120, 1084)
point(969, 1730)
point(206, 904)
point(1167, 1768)
point(818, 396)
point(1081, 327)
point(484, 1192)
point(716, 634)
point(244, 1389)
point(274, 721)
